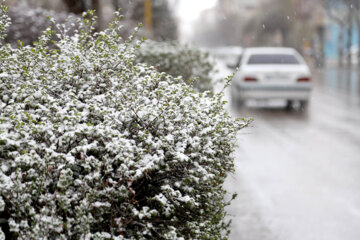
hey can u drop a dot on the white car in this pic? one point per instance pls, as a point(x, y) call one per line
point(272, 73)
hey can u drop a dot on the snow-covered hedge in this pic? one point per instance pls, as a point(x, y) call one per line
point(94, 146)
point(194, 65)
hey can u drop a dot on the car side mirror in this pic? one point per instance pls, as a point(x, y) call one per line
point(231, 65)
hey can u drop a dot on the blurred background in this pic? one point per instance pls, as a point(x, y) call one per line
point(322, 30)
point(298, 171)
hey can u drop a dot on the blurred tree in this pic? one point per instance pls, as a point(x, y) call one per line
point(28, 23)
point(276, 26)
point(223, 24)
point(163, 22)
point(290, 23)
point(336, 11)
point(80, 6)
point(345, 13)
point(229, 29)
point(356, 6)
point(277, 20)
point(76, 6)
point(350, 19)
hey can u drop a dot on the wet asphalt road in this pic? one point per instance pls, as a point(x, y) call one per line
point(298, 172)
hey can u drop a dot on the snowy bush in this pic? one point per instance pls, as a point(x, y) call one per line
point(94, 146)
point(176, 59)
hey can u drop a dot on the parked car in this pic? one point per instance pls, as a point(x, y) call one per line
point(272, 73)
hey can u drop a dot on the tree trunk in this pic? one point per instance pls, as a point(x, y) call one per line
point(75, 6)
point(349, 36)
point(358, 32)
point(356, 6)
point(95, 5)
point(321, 35)
point(116, 5)
point(340, 46)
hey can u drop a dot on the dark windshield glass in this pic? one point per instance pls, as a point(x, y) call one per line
point(272, 59)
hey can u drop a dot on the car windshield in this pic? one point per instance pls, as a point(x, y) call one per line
point(272, 59)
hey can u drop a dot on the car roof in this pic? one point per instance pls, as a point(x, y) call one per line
point(269, 50)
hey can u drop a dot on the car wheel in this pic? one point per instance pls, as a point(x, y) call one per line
point(237, 102)
point(289, 104)
point(303, 104)
point(240, 103)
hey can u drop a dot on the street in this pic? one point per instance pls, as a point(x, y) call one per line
point(298, 172)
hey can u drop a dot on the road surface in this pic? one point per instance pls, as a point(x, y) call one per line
point(298, 172)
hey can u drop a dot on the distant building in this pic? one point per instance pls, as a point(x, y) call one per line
point(243, 8)
point(332, 44)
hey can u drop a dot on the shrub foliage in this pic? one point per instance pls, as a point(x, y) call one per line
point(95, 146)
point(192, 64)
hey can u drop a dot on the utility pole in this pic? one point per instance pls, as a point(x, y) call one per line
point(148, 16)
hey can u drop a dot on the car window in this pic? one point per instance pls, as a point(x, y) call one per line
point(272, 59)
